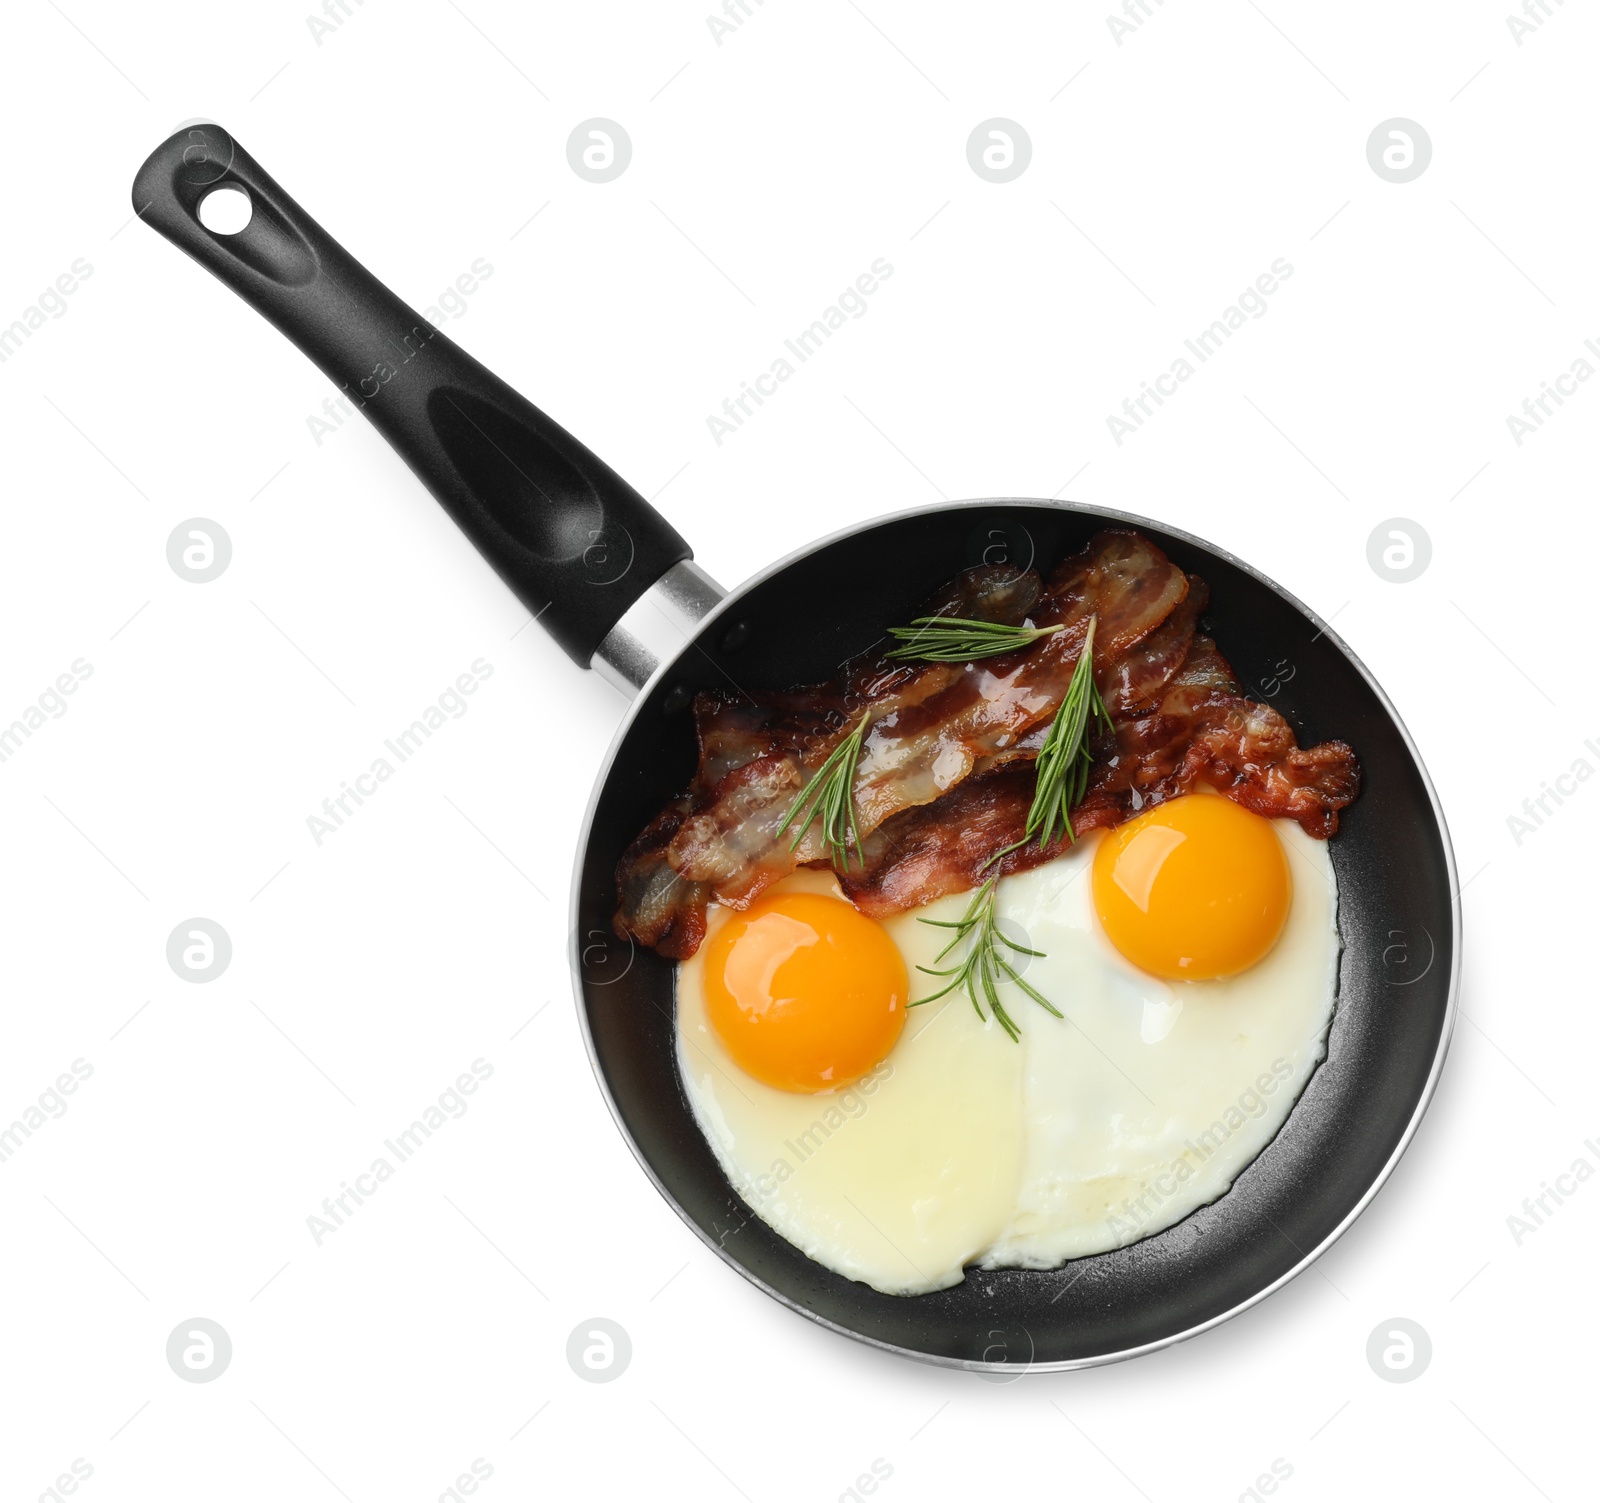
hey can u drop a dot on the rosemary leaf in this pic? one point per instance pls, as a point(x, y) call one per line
point(830, 797)
point(1062, 768)
point(979, 973)
point(1062, 777)
point(955, 639)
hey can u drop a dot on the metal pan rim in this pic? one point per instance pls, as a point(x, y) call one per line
point(1424, 1099)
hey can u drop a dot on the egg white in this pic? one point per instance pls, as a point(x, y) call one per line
point(963, 1148)
point(899, 1180)
point(1154, 1096)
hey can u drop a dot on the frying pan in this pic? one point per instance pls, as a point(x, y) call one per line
point(617, 588)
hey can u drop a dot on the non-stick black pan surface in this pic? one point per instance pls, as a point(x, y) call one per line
point(1397, 921)
point(580, 547)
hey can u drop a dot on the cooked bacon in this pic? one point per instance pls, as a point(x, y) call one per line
point(944, 781)
point(1205, 731)
point(1140, 678)
point(663, 910)
point(750, 756)
point(931, 724)
point(941, 848)
point(1202, 732)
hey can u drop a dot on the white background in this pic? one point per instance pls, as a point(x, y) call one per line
point(1168, 172)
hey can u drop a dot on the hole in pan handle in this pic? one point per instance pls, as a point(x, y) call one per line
point(575, 542)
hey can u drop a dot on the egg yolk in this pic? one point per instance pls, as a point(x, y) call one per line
point(1193, 889)
point(806, 993)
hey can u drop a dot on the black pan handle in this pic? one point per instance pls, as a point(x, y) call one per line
point(575, 541)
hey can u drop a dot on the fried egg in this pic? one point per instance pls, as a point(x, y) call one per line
point(899, 1178)
point(1193, 952)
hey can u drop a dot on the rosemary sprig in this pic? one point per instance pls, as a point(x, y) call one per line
point(830, 796)
point(955, 639)
point(986, 962)
point(1062, 769)
point(1061, 779)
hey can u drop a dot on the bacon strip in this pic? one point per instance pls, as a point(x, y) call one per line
point(751, 752)
point(1201, 732)
point(1206, 731)
point(654, 904)
point(1140, 678)
point(931, 724)
point(944, 780)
